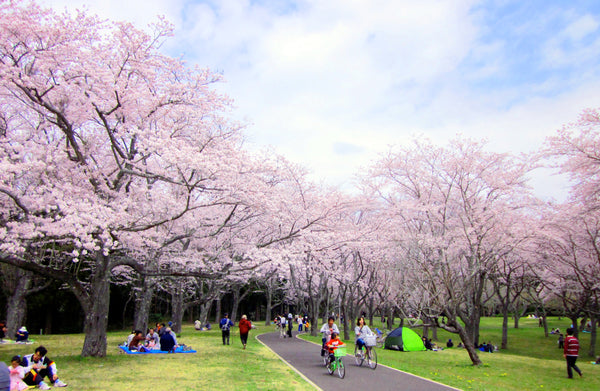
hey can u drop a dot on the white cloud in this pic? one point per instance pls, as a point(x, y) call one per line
point(315, 78)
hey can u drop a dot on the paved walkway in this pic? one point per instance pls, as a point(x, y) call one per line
point(304, 357)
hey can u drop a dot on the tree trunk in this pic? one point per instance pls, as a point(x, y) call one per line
point(575, 325)
point(143, 302)
point(504, 344)
point(16, 304)
point(96, 310)
point(469, 346)
point(472, 325)
point(218, 310)
point(371, 305)
point(204, 311)
point(235, 305)
point(269, 303)
point(177, 310)
point(314, 316)
point(390, 318)
point(592, 352)
point(545, 323)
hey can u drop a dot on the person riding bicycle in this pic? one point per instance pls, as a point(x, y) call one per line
point(328, 329)
point(362, 331)
point(333, 344)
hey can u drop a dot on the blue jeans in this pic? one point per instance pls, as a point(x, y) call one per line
point(360, 343)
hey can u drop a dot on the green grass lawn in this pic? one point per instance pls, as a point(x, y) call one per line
point(531, 362)
point(214, 367)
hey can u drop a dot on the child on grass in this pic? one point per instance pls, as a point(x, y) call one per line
point(17, 373)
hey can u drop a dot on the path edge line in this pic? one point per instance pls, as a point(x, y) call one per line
point(395, 369)
point(303, 376)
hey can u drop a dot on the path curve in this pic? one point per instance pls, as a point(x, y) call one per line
point(303, 356)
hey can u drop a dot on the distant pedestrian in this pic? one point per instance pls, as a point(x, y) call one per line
point(561, 341)
point(245, 325)
point(225, 325)
point(571, 351)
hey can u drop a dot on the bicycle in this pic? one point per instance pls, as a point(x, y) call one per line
point(338, 362)
point(370, 356)
point(370, 341)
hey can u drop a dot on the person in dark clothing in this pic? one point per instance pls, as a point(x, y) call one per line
point(561, 341)
point(22, 335)
point(225, 325)
point(167, 342)
point(449, 344)
point(571, 351)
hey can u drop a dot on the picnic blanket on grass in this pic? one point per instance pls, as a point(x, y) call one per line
point(177, 350)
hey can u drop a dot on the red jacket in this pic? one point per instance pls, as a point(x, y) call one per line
point(334, 343)
point(571, 346)
point(245, 325)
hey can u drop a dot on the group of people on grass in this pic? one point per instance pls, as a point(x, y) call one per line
point(160, 338)
point(31, 370)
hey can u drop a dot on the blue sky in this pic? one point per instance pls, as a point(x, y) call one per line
point(331, 84)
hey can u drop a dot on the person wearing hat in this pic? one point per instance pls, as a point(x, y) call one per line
point(22, 335)
point(225, 325)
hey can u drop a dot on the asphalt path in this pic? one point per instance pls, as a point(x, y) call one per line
point(305, 358)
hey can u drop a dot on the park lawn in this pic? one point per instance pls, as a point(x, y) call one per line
point(531, 362)
point(214, 367)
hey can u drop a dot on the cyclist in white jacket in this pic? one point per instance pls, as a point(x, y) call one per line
point(327, 329)
point(361, 330)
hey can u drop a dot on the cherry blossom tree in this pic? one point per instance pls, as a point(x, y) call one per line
point(104, 140)
point(448, 208)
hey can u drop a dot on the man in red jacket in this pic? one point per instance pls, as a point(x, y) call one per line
point(571, 351)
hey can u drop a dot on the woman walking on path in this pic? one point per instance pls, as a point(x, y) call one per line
point(245, 325)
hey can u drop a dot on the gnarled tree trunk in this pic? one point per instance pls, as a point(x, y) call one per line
point(96, 306)
point(143, 302)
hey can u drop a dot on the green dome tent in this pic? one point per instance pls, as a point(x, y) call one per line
point(404, 339)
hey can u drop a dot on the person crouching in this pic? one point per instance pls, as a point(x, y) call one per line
point(41, 367)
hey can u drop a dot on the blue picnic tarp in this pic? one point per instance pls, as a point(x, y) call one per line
point(177, 350)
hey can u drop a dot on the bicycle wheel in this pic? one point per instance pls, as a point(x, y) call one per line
point(325, 360)
point(341, 369)
point(372, 358)
point(331, 367)
point(359, 358)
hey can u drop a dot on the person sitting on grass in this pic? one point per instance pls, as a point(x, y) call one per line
point(17, 372)
point(41, 367)
point(333, 344)
point(137, 342)
point(22, 335)
point(167, 342)
point(152, 339)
